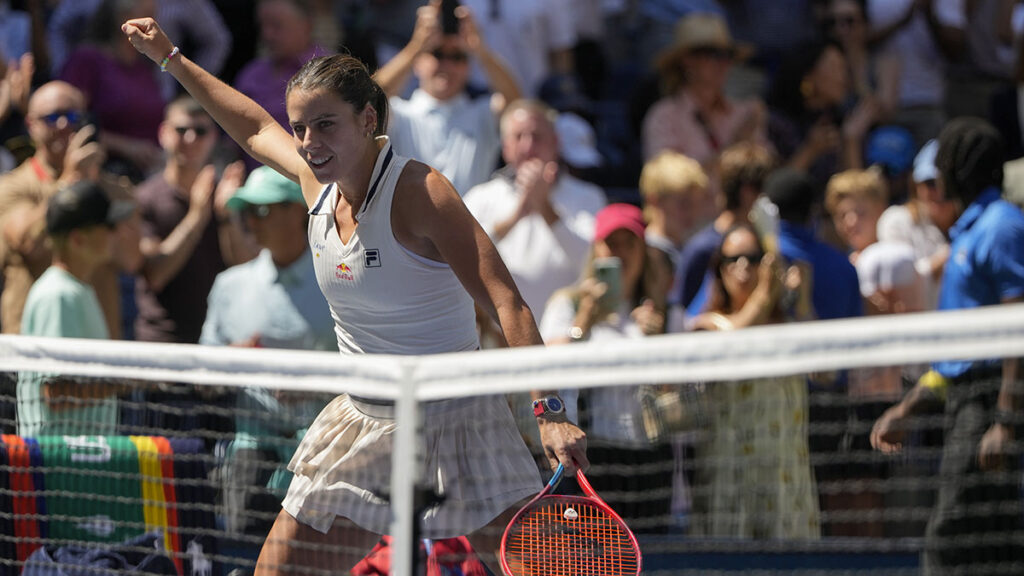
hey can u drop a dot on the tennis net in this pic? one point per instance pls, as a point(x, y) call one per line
point(744, 451)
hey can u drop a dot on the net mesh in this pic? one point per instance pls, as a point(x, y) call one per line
point(748, 451)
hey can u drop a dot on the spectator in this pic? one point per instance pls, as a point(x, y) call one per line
point(15, 32)
point(15, 86)
point(577, 146)
point(808, 124)
point(978, 495)
point(121, 89)
point(672, 185)
point(835, 293)
point(695, 117)
point(623, 459)
point(856, 200)
point(923, 222)
point(745, 476)
point(911, 63)
point(187, 235)
point(286, 35)
point(440, 124)
point(63, 155)
point(743, 169)
point(197, 22)
point(272, 301)
point(80, 220)
point(534, 37)
point(540, 218)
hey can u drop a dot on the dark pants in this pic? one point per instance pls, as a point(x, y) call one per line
point(975, 526)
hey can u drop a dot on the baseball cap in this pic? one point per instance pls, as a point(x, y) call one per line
point(892, 147)
point(924, 162)
point(265, 186)
point(81, 205)
point(577, 143)
point(618, 216)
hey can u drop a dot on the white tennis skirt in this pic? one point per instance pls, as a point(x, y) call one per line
point(475, 458)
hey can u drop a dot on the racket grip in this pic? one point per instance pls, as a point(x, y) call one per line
point(557, 477)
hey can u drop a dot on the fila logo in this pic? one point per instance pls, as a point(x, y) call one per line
point(371, 258)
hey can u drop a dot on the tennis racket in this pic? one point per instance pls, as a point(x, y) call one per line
point(568, 536)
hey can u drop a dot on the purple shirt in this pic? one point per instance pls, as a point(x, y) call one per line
point(124, 98)
point(265, 81)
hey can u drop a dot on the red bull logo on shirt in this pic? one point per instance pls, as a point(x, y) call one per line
point(344, 272)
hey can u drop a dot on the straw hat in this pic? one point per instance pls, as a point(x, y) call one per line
point(701, 30)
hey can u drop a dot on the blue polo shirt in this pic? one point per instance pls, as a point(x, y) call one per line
point(986, 263)
point(835, 289)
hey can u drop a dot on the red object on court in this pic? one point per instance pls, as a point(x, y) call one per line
point(448, 557)
point(555, 535)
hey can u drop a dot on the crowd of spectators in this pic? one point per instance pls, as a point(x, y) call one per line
point(557, 120)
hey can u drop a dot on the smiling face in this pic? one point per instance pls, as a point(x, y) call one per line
point(329, 133)
point(55, 111)
point(856, 221)
point(188, 138)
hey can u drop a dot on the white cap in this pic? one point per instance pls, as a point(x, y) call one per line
point(577, 143)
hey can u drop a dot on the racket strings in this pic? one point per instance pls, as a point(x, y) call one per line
point(567, 538)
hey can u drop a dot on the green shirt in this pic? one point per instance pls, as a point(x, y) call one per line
point(60, 305)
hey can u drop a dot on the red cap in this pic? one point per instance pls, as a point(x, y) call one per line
point(616, 216)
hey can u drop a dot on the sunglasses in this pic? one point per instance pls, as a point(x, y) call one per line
point(450, 56)
point(72, 117)
point(846, 21)
point(754, 258)
point(199, 130)
point(712, 52)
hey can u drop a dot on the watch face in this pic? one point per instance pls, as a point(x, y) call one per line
point(554, 405)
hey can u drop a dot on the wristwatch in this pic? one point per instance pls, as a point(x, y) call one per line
point(549, 405)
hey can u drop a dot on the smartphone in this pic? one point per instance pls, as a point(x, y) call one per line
point(609, 272)
point(449, 21)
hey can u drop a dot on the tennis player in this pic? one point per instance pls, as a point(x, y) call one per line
point(401, 262)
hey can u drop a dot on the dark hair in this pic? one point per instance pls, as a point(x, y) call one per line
point(347, 77)
point(186, 104)
point(792, 191)
point(970, 158)
point(787, 91)
point(744, 164)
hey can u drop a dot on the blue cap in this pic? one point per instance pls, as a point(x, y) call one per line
point(892, 147)
point(924, 163)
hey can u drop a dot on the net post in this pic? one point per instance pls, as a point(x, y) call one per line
point(404, 473)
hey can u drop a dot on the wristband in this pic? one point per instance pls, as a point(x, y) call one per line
point(167, 59)
point(1008, 418)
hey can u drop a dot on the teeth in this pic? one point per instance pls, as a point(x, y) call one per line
point(318, 161)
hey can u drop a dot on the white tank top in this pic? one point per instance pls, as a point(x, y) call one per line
point(384, 299)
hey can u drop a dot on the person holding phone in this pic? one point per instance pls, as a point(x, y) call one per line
point(440, 123)
point(622, 296)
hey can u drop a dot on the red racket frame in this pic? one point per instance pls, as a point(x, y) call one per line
point(589, 500)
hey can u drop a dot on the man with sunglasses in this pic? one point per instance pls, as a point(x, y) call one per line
point(63, 155)
point(440, 124)
point(272, 301)
point(187, 234)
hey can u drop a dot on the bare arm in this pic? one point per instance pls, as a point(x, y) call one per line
point(498, 75)
point(431, 220)
point(163, 260)
point(393, 75)
point(245, 121)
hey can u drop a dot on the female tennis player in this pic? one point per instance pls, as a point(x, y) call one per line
point(401, 262)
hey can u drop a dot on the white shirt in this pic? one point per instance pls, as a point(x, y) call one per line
point(524, 33)
point(541, 258)
point(458, 137)
point(385, 299)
